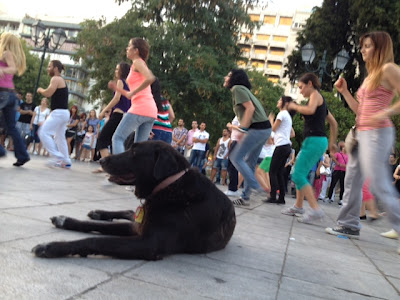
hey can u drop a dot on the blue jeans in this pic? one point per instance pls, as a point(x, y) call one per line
point(8, 102)
point(244, 157)
point(162, 135)
point(130, 122)
point(196, 158)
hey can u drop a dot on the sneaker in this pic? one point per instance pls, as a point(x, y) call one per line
point(340, 203)
point(346, 231)
point(312, 216)
point(292, 211)
point(274, 201)
point(241, 202)
point(35, 153)
point(230, 193)
point(391, 234)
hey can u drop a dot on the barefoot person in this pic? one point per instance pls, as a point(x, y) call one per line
point(56, 124)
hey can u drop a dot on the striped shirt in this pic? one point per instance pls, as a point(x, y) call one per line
point(371, 103)
point(162, 122)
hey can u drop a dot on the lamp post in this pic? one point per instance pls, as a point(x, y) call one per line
point(308, 55)
point(43, 39)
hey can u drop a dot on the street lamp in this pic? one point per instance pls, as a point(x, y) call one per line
point(308, 55)
point(41, 39)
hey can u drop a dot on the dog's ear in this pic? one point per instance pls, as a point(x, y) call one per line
point(166, 165)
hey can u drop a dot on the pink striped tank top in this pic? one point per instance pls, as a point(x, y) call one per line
point(371, 103)
point(7, 80)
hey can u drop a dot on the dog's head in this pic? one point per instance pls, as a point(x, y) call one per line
point(144, 165)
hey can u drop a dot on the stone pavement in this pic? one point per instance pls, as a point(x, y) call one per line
point(270, 256)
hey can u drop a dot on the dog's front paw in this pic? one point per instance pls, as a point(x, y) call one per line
point(99, 215)
point(42, 250)
point(58, 221)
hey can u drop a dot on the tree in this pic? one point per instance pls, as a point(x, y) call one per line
point(27, 82)
point(193, 46)
point(340, 24)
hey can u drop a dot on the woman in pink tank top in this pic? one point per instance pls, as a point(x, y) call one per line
point(12, 61)
point(375, 134)
point(143, 110)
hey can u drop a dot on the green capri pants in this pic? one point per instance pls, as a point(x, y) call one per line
point(310, 153)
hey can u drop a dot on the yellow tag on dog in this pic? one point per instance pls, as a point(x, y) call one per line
point(139, 213)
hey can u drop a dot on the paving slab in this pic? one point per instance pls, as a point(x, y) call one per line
point(270, 256)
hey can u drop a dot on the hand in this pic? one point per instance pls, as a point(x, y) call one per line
point(40, 90)
point(341, 85)
point(31, 127)
point(291, 106)
point(112, 85)
point(271, 117)
point(229, 125)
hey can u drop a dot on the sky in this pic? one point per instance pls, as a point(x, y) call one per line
point(79, 10)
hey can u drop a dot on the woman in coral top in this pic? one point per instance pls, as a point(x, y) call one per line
point(375, 133)
point(143, 110)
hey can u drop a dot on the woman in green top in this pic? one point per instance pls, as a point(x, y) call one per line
point(254, 127)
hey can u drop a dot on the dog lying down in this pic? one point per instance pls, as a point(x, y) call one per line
point(182, 212)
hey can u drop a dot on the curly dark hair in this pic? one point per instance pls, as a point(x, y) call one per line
point(239, 77)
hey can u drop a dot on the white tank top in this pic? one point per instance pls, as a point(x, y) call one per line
point(223, 148)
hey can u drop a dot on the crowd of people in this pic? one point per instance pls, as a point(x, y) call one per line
point(255, 150)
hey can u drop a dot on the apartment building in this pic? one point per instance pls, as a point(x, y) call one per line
point(75, 75)
point(267, 47)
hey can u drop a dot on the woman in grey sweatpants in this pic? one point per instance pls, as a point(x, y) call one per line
point(375, 133)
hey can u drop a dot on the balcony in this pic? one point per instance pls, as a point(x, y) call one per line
point(277, 44)
point(271, 57)
point(273, 72)
point(258, 56)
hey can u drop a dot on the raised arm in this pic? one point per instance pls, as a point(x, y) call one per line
point(341, 86)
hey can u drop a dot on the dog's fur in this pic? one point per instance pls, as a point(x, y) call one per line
point(190, 215)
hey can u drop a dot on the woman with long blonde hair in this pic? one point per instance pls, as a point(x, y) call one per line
point(375, 133)
point(12, 61)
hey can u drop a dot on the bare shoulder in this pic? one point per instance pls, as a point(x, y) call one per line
point(58, 81)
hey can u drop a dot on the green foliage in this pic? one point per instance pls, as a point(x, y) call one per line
point(27, 82)
point(193, 46)
point(340, 24)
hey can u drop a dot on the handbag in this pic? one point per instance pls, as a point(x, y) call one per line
point(351, 142)
point(324, 171)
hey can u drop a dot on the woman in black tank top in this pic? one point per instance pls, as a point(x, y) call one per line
point(313, 147)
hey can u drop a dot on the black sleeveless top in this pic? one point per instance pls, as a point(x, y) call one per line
point(59, 100)
point(314, 125)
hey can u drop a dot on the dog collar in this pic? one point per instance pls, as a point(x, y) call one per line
point(167, 181)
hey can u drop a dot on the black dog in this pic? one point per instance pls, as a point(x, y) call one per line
point(183, 211)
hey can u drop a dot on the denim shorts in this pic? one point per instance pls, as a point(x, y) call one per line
point(220, 163)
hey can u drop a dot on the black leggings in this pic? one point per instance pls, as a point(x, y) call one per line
point(108, 130)
point(277, 170)
point(232, 172)
point(337, 176)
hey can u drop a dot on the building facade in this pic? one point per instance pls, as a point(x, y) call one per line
point(266, 49)
point(75, 74)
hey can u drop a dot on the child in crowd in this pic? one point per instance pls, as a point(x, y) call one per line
point(87, 143)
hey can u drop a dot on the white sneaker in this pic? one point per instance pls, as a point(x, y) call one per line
point(35, 153)
point(230, 193)
point(391, 234)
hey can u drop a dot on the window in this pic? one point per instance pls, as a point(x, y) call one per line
point(285, 21)
point(246, 35)
point(273, 79)
point(280, 38)
point(269, 20)
point(274, 66)
point(258, 64)
point(263, 37)
point(277, 51)
point(245, 49)
point(260, 51)
point(255, 18)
